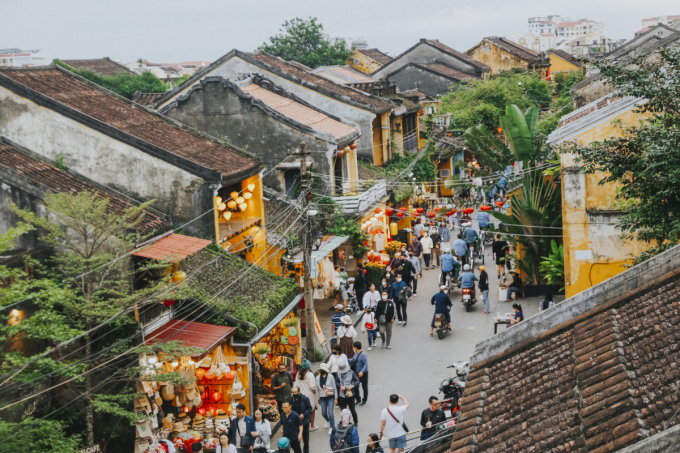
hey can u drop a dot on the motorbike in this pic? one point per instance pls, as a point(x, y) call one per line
point(453, 388)
point(440, 325)
point(468, 298)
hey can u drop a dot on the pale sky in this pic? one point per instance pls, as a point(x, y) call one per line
point(171, 31)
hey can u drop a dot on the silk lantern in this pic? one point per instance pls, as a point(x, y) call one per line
point(227, 215)
point(218, 200)
point(222, 206)
point(216, 396)
point(247, 195)
point(242, 206)
point(251, 187)
point(420, 210)
point(200, 373)
point(201, 411)
point(240, 200)
point(234, 195)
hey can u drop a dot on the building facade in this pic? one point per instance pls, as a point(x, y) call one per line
point(17, 58)
point(501, 54)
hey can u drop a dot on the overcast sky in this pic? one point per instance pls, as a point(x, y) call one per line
point(172, 31)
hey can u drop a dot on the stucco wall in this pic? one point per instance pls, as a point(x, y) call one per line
point(366, 64)
point(496, 58)
point(559, 64)
point(591, 92)
point(413, 77)
point(105, 160)
point(235, 68)
point(220, 112)
point(423, 53)
point(8, 219)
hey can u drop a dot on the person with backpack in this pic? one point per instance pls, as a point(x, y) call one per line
point(393, 426)
point(345, 436)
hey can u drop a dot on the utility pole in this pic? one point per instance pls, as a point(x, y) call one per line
point(306, 182)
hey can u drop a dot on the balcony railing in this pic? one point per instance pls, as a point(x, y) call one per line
point(364, 201)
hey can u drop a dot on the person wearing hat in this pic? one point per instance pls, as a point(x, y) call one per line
point(442, 306)
point(346, 333)
point(306, 382)
point(515, 286)
point(346, 396)
point(241, 429)
point(336, 319)
point(328, 393)
point(484, 288)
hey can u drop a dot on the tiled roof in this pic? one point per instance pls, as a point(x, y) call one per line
point(377, 55)
point(447, 71)
point(601, 381)
point(75, 93)
point(422, 96)
point(516, 49)
point(299, 112)
point(460, 55)
point(173, 247)
point(145, 98)
point(359, 77)
point(193, 334)
point(565, 56)
point(380, 105)
point(104, 66)
point(28, 165)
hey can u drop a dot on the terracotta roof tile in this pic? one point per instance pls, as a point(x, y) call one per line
point(146, 99)
point(195, 334)
point(447, 71)
point(522, 52)
point(461, 55)
point(48, 176)
point(173, 247)
point(71, 91)
point(104, 66)
point(377, 55)
point(379, 104)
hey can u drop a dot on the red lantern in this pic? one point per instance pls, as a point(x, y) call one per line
point(402, 209)
point(231, 375)
point(200, 373)
point(485, 208)
point(386, 260)
point(377, 210)
point(201, 410)
point(340, 153)
point(400, 214)
point(431, 214)
point(216, 396)
point(420, 210)
point(499, 204)
point(353, 146)
point(449, 214)
point(389, 211)
point(468, 210)
point(185, 409)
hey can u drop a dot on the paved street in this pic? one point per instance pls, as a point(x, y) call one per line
point(416, 364)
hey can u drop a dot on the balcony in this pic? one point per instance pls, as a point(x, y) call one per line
point(358, 204)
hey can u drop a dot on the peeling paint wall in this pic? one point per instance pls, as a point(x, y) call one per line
point(590, 93)
point(365, 64)
point(496, 58)
point(105, 160)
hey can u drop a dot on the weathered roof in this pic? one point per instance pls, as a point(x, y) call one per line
point(104, 66)
point(446, 70)
point(461, 55)
point(565, 56)
point(193, 334)
point(63, 91)
point(422, 96)
point(145, 98)
point(346, 73)
point(171, 247)
point(602, 380)
point(377, 55)
point(23, 163)
point(515, 49)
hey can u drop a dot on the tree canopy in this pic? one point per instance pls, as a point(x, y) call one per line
point(304, 41)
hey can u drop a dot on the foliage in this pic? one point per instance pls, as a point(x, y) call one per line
point(650, 253)
point(8, 239)
point(521, 133)
point(304, 41)
point(564, 104)
point(340, 226)
point(490, 151)
point(645, 160)
point(484, 101)
point(552, 266)
point(38, 435)
point(60, 163)
point(124, 84)
point(374, 273)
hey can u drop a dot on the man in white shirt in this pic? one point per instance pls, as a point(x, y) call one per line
point(427, 244)
point(392, 423)
point(371, 298)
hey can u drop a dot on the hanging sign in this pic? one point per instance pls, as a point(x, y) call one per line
point(319, 332)
point(94, 448)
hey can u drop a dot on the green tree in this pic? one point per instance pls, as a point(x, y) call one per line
point(645, 161)
point(41, 435)
point(484, 101)
point(124, 84)
point(563, 104)
point(304, 41)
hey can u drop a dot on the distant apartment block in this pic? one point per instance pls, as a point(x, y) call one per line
point(21, 58)
point(579, 27)
point(541, 42)
point(359, 43)
point(669, 21)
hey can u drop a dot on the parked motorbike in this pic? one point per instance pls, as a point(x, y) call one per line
point(440, 325)
point(468, 298)
point(453, 388)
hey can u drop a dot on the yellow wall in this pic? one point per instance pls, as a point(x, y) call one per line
point(588, 219)
point(366, 64)
point(398, 132)
point(445, 165)
point(559, 64)
point(496, 58)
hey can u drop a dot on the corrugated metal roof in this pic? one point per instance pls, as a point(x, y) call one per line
point(173, 247)
point(195, 334)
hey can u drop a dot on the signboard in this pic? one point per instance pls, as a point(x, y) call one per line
point(319, 332)
point(95, 448)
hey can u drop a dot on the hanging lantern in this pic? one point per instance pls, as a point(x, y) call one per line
point(234, 195)
point(200, 373)
point(400, 214)
point(205, 396)
point(179, 276)
point(230, 376)
point(240, 200)
point(218, 200)
point(242, 207)
point(227, 215)
point(377, 210)
point(231, 204)
point(247, 195)
point(499, 204)
point(485, 208)
point(353, 146)
point(449, 214)
point(420, 210)
point(389, 211)
point(340, 153)
point(431, 214)
point(222, 206)
point(201, 411)
point(251, 187)
point(185, 409)
point(216, 396)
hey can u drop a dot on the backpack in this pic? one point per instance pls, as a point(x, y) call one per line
point(341, 440)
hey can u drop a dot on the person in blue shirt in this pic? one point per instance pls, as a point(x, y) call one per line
point(459, 247)
point(483, 219)
point(467, 279)
point(398, 288)
point(449, 266)
point(445, 232)
point(471, 237)
point(442, 305)
point(241, 428)
point(360, 360)
point(519, 315)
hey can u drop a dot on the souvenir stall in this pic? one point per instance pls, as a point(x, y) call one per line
point(280, 342)
point(217, 381)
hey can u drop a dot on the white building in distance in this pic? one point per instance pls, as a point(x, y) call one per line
point(20, 58)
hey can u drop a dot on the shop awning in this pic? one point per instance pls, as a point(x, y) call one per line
point(197, 334)
point(275, 322)
point(172, 247)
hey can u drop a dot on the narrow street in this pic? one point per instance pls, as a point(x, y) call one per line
point(417, 363)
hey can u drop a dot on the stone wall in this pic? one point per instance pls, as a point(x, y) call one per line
point(414, 77)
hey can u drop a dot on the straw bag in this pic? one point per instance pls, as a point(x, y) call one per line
point(168, 392)
point(237, 391)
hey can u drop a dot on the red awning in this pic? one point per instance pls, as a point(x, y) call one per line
point(173, 247)
point(197, 334)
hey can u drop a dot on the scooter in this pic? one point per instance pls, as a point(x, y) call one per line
point(468, 298)
point(440, 325)
point(453, 388)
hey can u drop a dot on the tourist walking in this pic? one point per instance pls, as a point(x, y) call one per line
point(302, 406)
point(262, 433)
point(385, 312)
point(369, 324)
point(292, 427)
point(346, 334)
point(398, 295)
point(281, 385)
point(417, 248)
point(415, 262)
point(360, 283)
point(392, 425)
point(336, 319)
point(436, 250)
point(328, 394)
point(349, 381)
point(407, 271)
point(445, 235)
point(306, 382)
point(499, 248)
point(371, 298)
point(484, 288)
point(360, 364)
point(241, 430)
point(426, 243)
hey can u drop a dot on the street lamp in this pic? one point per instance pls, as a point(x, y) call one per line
point(317, 237)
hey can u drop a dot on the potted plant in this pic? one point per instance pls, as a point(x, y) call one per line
point(262, 350)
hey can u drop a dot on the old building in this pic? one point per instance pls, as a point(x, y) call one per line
point(560, 61)
point(374, 115)
point(431, 49)
point(432, 77)
point(343, 75)
point(431, 104)
point(102, 66)
point(269, 122)
point(122, 145)
point(593, 248)
point(368, 60)
point(501, 54)
point(595, 373)
point(539, 42)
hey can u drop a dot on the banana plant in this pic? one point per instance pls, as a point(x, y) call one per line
point(489, 150)
point(552, 265)
point(521, 133)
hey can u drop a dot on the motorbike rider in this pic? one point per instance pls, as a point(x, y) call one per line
point(442, 306)
point(449, 265)
point(459, 248)
point(471, 237)
point(468, 279)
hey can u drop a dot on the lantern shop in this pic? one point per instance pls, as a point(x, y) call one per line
point(280, 342)
point(218, 380)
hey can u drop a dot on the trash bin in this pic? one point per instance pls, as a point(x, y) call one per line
point(502, 294)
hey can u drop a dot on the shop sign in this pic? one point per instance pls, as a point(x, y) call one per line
point(94, 448)
point(319, 332)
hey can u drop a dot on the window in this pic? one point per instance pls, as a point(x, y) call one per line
point(445, 173)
